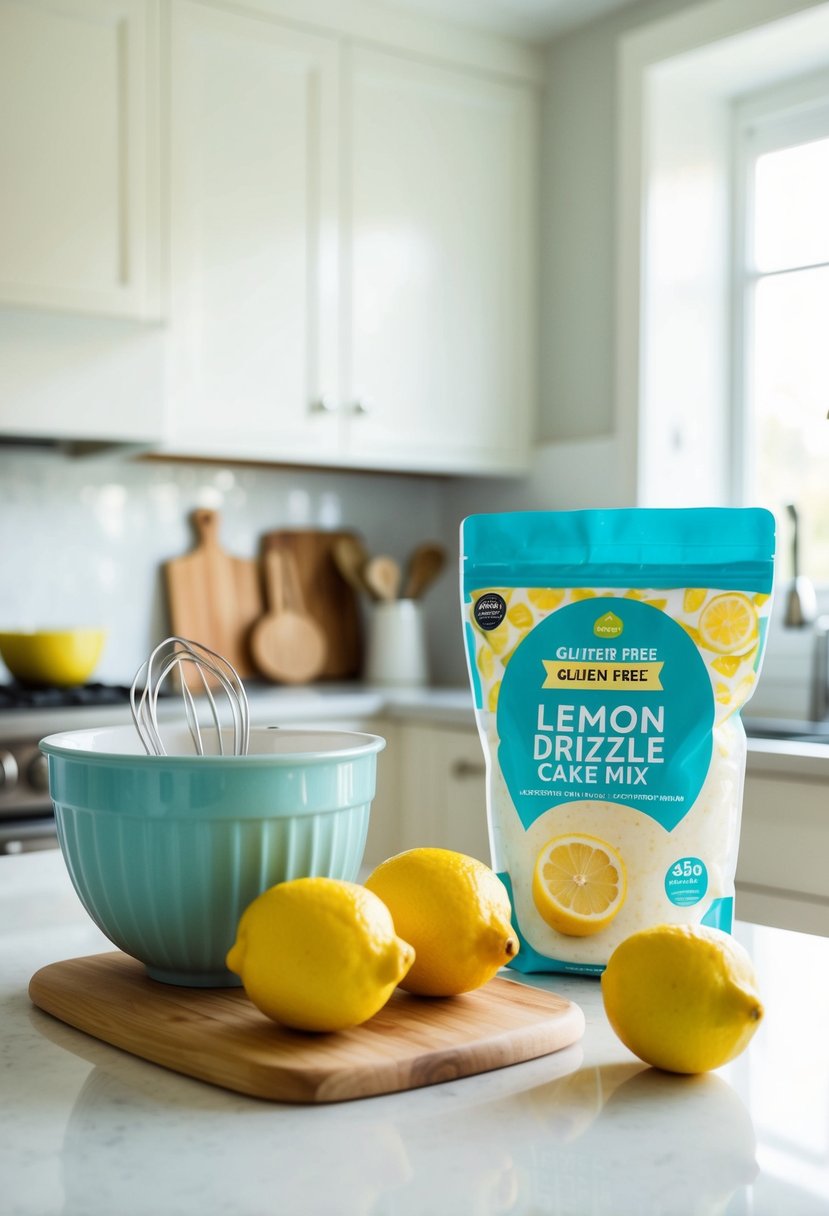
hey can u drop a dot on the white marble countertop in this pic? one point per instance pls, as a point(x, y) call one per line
point(87, 1130)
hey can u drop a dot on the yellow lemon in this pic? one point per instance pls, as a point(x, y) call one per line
point(579, 884)
point(486, 663)
point(722, 694)
point(727, 665)
point(319, 954)
point(546, 598)
point(728, 623)
point(498, 637)
point(456, 913)
point(693, 599)
point(682, 997)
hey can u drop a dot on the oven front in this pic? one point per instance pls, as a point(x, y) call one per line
point(27, 820)
point(27, 715)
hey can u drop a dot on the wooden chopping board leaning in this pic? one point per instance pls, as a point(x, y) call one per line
point(213, 597)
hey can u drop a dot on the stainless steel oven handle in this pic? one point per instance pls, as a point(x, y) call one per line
point(38, 773)
point(27, 836)
point(8, 770)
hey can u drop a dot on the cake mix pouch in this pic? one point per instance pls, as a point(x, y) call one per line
point(610, 654)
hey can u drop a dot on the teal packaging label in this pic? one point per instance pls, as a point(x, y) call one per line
point(610, 654)
point(606, 699)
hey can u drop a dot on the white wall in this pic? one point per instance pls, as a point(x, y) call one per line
point(579, 221)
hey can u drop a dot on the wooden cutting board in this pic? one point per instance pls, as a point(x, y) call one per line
point(326, 595)
point(213, 597)
point(217, 1035)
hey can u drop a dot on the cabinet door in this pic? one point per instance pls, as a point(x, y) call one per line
point(253, 169)
point(443, 789)
point(781, 873)
point(438, 274)
point(79, 155)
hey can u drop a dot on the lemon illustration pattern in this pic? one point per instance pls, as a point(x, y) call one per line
point(726, 626)
point(579, 884)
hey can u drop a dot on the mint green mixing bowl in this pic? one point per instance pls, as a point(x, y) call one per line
point(166, 852)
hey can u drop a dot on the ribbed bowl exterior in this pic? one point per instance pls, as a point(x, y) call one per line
point(171, 892)
point(165, 858)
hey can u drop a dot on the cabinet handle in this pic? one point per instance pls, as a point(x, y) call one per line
point(322, 405)
point(461, 769)
point(359, 408)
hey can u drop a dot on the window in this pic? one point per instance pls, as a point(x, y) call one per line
point(782, 312)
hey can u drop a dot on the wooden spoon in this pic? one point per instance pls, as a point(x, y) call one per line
point(350, 557)
point(287, 644)
point(425, 564)
point(382, 577)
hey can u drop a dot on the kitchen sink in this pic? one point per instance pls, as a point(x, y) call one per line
point(789, 730)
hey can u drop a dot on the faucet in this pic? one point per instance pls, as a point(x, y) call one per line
point(819, 699)
point(801, 602)
point(800, 611)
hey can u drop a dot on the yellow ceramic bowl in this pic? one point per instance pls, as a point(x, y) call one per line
point(59, 656)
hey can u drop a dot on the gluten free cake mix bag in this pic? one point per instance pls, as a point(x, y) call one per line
point(610, 654)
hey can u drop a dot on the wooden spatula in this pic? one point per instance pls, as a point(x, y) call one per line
point(287, 645)
point(382, 577)
point(425, 564)
point(350, 556)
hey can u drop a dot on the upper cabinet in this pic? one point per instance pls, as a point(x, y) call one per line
point(438, 265)
point(352, 252)
point(253, 237)
point(334, 230)
point(79, 154)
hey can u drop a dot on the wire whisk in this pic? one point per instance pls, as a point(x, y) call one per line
point(176, 654)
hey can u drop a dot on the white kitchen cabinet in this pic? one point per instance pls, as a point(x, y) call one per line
point(782, 877)
point(79, 156)
point(253, 237)
point(442, 789)
point(351, 252)
point(384, 839)
point(439, 256)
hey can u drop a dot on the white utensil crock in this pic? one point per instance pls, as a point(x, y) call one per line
point(396, 650)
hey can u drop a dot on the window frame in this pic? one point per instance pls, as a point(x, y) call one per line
point(767, 121)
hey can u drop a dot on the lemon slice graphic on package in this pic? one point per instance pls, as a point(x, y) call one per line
point(579, 884)
point(728, 624)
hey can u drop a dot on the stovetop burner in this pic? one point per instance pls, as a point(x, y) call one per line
point(22, 696)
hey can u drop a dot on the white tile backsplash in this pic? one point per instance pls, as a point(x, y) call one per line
point(82, 540)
